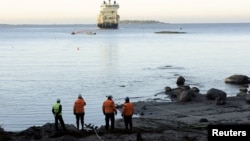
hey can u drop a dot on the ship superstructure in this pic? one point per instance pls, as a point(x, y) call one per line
point(108, 17)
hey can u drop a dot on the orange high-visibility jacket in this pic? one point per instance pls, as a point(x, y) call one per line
point(128, 109)
point(79, 105)
point(108, 106)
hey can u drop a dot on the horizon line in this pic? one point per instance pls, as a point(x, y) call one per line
point(128, 23)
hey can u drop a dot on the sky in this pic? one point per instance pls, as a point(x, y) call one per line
point(86, 11)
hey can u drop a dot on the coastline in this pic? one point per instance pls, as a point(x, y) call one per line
point(175, 121)
point(141, 22)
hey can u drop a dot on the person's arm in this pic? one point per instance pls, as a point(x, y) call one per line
point(53, 110)
point(133, 109)
point(123, 109)
point(74, 108)
point(60, 109)
point(84, 103)
point(103, 108)
point(114, 108)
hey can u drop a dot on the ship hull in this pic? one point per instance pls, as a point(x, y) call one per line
point(108, 25)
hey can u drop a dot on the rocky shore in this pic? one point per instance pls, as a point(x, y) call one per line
point(186, 118)
point(175, 121)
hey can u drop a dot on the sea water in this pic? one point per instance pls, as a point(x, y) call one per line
point(40, 63)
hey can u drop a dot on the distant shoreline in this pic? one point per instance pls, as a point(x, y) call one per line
point(140, 22)
point(121, 22)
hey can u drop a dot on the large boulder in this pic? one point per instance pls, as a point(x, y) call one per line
point(186, 95)
point(182, 93)
point(177, 91)
point(237, 79)
point(214, 94)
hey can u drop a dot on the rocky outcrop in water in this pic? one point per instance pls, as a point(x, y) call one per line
point(237, 79)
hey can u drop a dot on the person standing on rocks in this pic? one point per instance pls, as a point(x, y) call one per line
point(109, 110)
point(127, 113)
point(79, 111)
point(57, 112)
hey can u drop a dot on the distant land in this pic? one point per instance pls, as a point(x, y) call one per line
point(140, 22)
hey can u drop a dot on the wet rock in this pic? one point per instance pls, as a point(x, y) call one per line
point(195, 89)
point(185, 96)
point(213, 93)
point(167, 89)
point(203, 120)
point(248, 98)
point(243, 89)
point(242, 93)
point(237, 79)
point(180, 81)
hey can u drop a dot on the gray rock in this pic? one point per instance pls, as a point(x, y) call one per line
point(180, 81)
point(237, 79)
point(248, 98)
point(185, 95)
point(213, 93)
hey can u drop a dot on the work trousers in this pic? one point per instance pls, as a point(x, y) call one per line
point(128, 121)
point(60, 119)
point(80, 117)
point(110, 117)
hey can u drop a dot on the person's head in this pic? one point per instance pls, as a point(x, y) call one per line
point(127, 99)
point(79, 96)
point(109, 97)
point(58, 100)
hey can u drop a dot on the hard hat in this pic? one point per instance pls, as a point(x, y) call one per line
point(127, 98)
point(110, 96)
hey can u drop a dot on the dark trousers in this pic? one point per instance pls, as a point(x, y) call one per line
point(110, 117)
point(60, 119)
point(128, 121)
point(80, 117)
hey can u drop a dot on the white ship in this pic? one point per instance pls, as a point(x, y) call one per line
point(108, 17)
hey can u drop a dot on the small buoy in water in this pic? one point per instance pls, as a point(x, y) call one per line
point(78, 48)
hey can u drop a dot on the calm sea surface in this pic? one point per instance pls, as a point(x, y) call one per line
point(40, 63)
